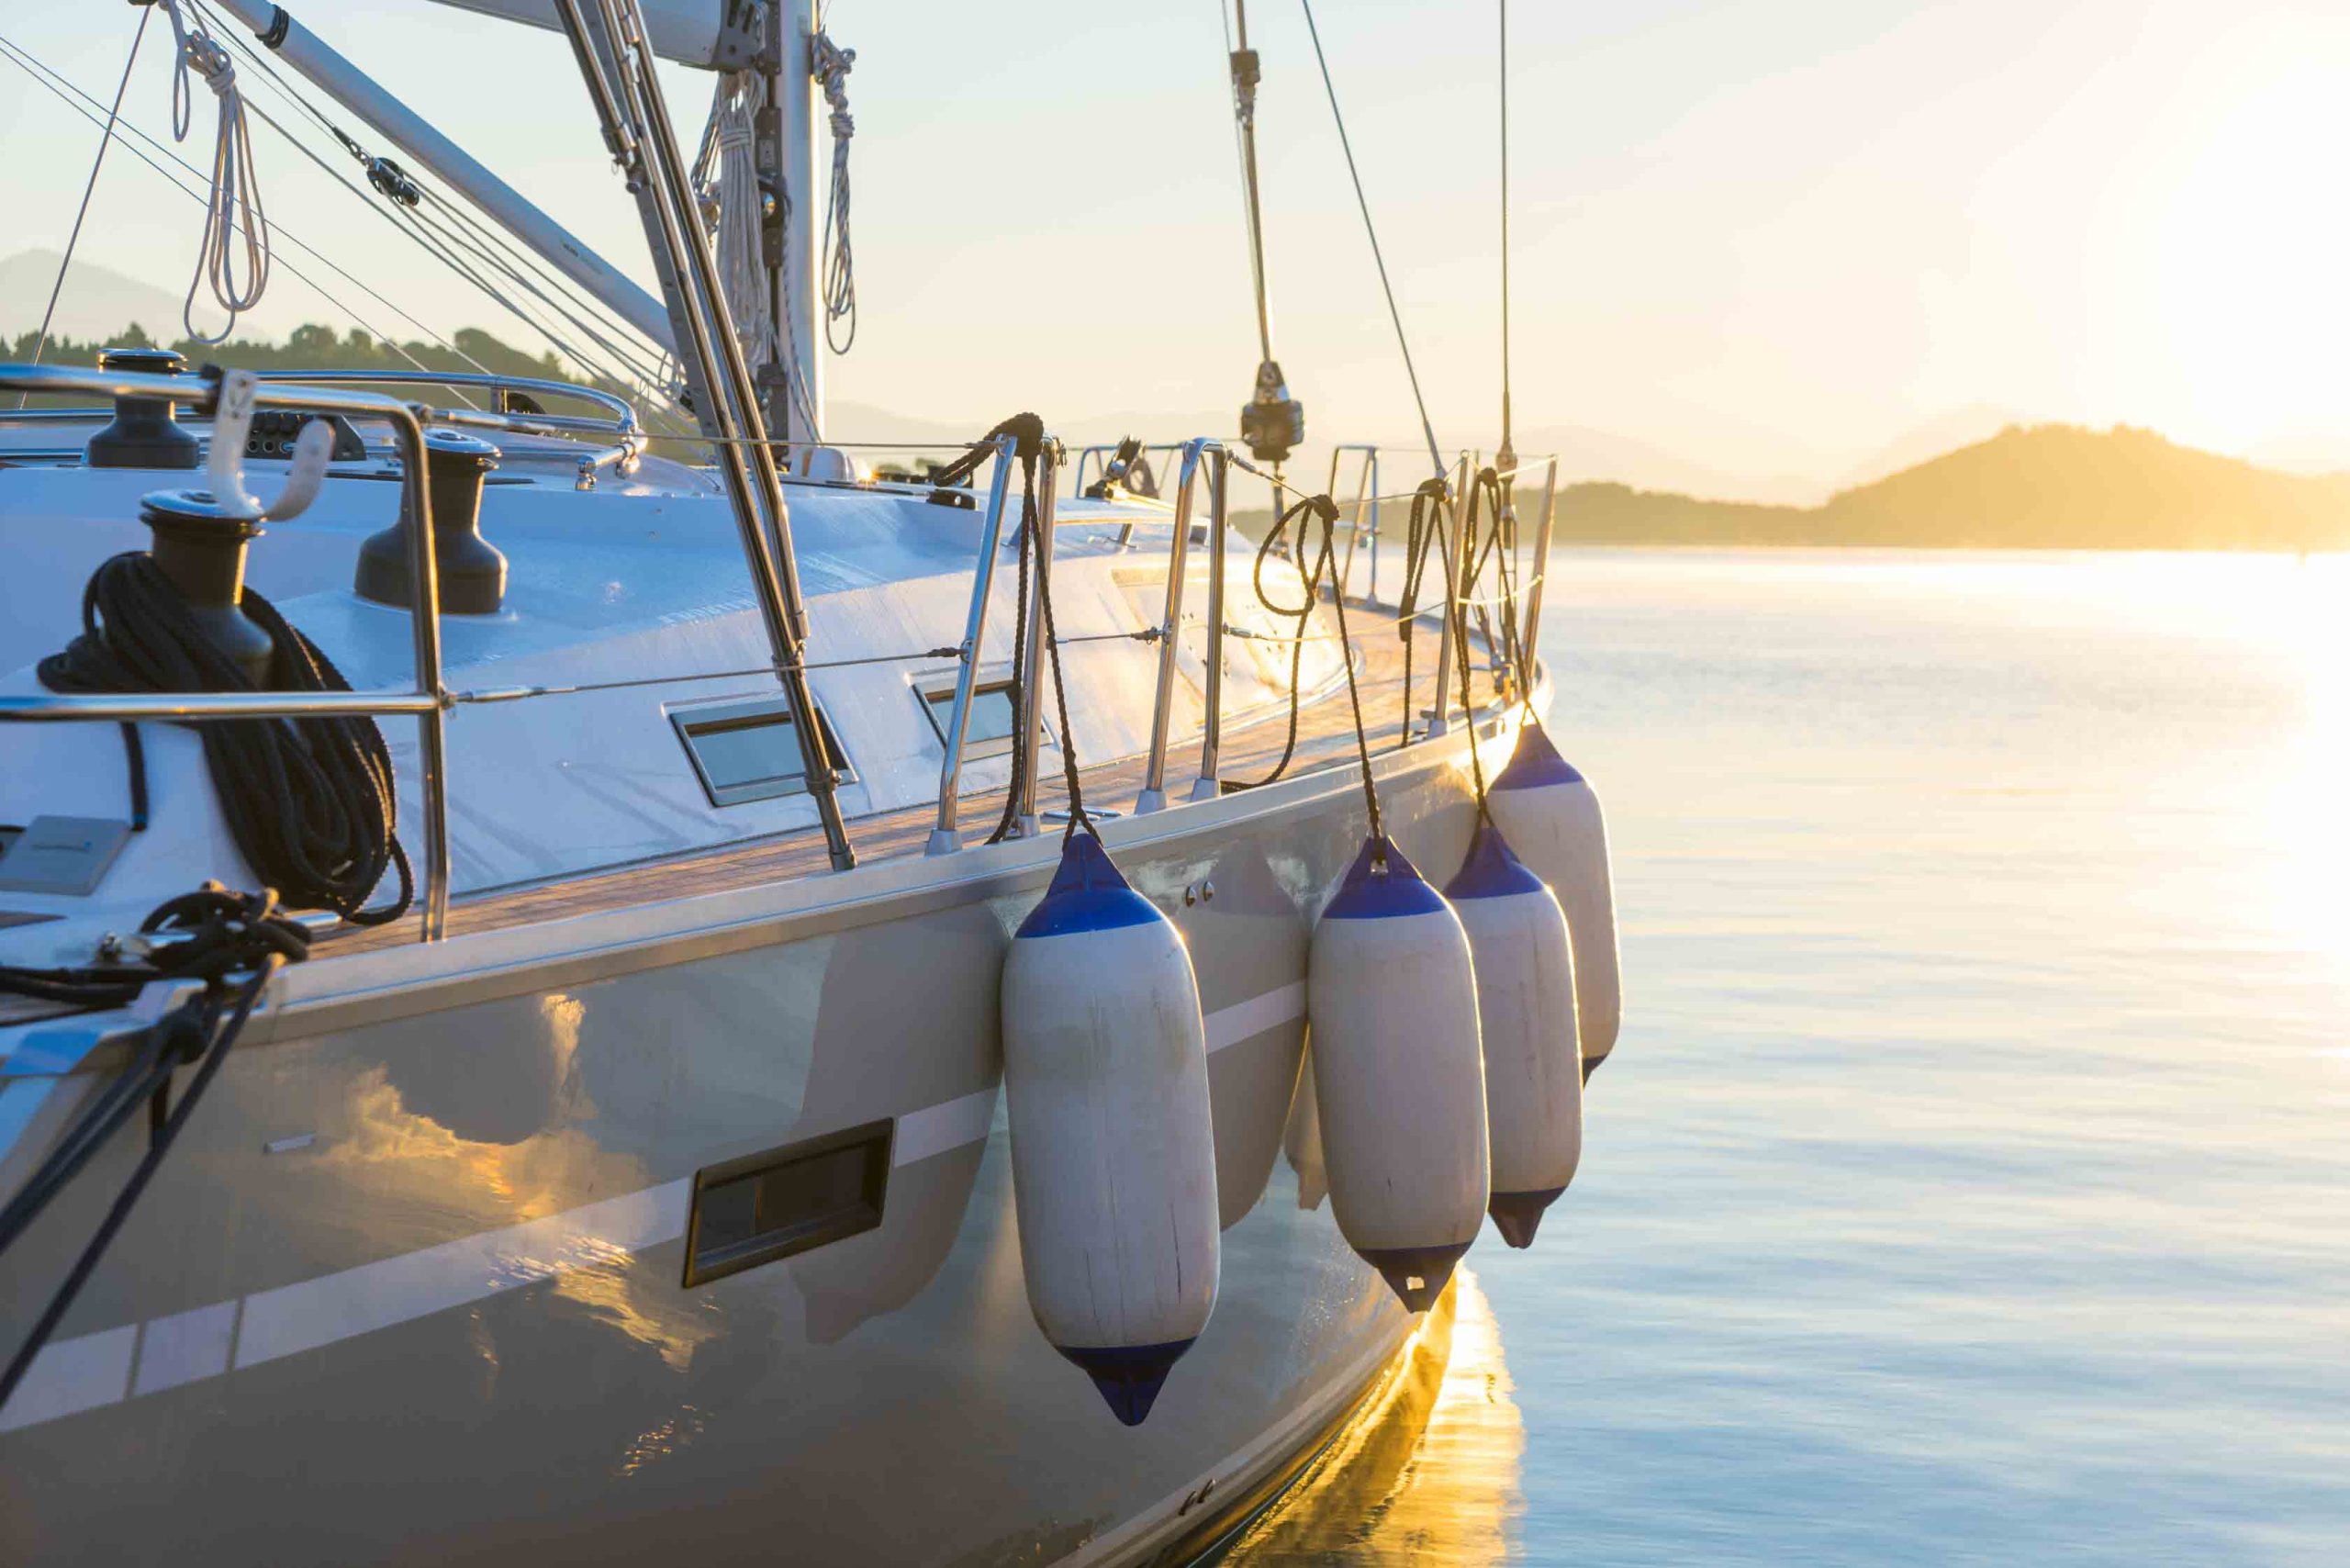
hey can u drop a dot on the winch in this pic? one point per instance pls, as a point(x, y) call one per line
point(470, 570)
point(143, 433)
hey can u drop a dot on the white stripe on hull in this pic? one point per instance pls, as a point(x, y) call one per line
point(105, 1368)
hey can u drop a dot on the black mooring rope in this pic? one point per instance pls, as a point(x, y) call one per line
point(1323, 563)
point(1301, 613)
point(309, 801)
point(224, 933)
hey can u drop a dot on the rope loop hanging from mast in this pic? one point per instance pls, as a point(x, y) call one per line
point(233, 220)
point(831, 65)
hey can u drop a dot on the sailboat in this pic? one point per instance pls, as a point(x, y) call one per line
point(507, 887)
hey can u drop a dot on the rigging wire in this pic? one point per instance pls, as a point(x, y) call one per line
point(105, 141)
point(1244, 120)
point(405, 194)
point(40, 73)
point(133, 130)
point(1507, 456)
point(1427, 428)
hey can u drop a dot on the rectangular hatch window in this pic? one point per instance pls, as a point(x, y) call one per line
point(745, 749)
point(990, 730)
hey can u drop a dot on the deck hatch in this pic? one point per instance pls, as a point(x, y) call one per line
point(743, 749)
point(764, 1206)
point(993, 718)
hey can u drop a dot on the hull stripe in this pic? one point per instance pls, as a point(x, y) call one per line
point(93, 1370)
point(1247, 1020)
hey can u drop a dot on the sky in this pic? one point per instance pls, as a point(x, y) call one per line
point(1773, 244)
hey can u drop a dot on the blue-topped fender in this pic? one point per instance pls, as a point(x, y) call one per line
point(1371, 891)
point(1534, 763)
point(1490, 870)
point(1086, 894)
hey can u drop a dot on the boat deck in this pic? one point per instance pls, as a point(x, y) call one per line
point(1324, 737)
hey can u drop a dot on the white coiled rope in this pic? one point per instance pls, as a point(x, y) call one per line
point(233, 220)
point(831, 65)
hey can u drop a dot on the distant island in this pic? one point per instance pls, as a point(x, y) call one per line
point(2042, 487)
point(2039, 486)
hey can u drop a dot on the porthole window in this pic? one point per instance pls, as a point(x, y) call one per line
point(745, 748)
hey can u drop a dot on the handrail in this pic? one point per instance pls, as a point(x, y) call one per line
point(429, 700)
point(1446, 542)
point(1154, 788)
point(1207, 787)
point(1031, 669)
point(1541, 557)
point(623, 412)
point(622, 423)
point(1095, 453)
point(946, 838)
point(1366, 496)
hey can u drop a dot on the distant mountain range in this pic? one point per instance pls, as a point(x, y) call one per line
point(1972, 479)
point(96, 303)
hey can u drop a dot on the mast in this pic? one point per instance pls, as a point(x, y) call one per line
point(786, 152)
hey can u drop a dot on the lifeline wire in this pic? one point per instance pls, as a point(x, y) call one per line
point(65, 263)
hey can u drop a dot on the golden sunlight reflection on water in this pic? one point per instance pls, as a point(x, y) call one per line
point(1427, 1473)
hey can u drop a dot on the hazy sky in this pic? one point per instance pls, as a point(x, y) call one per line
point(1771, 238)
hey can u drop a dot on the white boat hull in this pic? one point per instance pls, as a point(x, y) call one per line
point(410, 1290)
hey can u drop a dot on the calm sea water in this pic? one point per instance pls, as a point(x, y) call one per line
point(1972, 1181)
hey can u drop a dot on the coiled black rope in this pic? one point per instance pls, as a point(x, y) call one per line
point(1272, 546)
point(1499, 548)
point(1027, 431)
point(1318, 561)
point(209, 935)
point(309, 801)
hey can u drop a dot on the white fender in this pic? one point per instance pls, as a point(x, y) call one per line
point(1105, 1077)
point(1398, 1078)
point(1525, 1015)
point(1551, 816)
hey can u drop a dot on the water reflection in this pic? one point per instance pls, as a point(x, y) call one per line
point(1426, 1472)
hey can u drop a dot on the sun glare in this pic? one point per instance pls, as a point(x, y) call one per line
point(2253, 248)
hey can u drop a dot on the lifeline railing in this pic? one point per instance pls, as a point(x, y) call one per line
point(430, 700)
point(427, 702)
